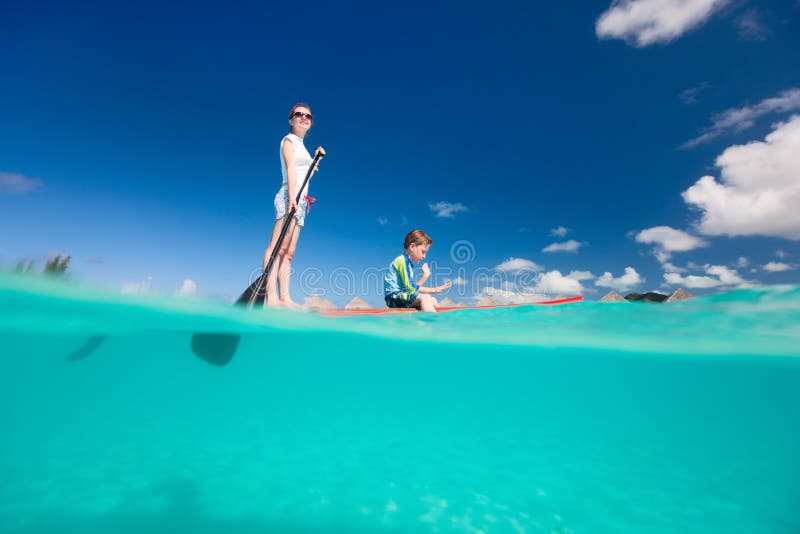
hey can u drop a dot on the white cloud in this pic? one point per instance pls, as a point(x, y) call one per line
point(777, 266)
point(508, 286)
point(727, 276)
point(740, 119)
point(759, 189)
point(662, 256)
point(383, 221)
point(446, 209)
point(672, 268)
point(559, 231)
point(544, 287)
point(580, 275)
point(13, 183)
point(188, 288)
point(502, 296)
point(517, 264)
point(624, 283)
point(646, 22)
point(458, 281)
point(692, 95)
point(781, 253)
point(141, 288)
point(668, 240)
point(567, 246)
point(554, 282)
point(720, 276)
point(691, 281)
point(742, 262)
point(750, 27)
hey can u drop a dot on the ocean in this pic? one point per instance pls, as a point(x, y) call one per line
point(582, 418)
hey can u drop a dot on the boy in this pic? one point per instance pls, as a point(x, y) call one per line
point(399, 289)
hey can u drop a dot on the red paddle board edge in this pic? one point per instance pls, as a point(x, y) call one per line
point(379, 311)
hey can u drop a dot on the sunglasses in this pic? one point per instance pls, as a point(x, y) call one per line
point(298, 114)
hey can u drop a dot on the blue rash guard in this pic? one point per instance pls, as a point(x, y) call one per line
point(399, 289)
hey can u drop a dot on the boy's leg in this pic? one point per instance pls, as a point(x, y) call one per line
point(426, 303)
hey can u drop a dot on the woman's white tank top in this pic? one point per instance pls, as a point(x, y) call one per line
point(302, 162)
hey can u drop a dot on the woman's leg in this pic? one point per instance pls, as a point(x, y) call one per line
point(286, 253)
point(271, 298)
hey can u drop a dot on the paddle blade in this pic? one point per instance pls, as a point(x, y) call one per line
point(89, 347)
point(255, 292)
point(216, 349)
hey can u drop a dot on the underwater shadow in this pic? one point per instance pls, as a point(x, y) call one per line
point(183, 514)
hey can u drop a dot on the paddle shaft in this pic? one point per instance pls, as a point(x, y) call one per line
point(285, 228)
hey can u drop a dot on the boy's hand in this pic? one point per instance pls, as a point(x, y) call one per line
point(444, 287)
point(318, 151)
point(426, 271)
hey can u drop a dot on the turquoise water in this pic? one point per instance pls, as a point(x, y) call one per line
point(589, 417)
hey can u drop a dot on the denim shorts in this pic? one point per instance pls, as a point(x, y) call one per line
point(282, 202)
point(401, 300)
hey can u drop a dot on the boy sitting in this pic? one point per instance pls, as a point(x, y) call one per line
point(399, 289)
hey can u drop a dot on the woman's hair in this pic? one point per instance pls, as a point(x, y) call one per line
point(299, 105)
point(417, 237)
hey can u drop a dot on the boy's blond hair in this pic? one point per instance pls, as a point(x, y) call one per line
point(417, 237)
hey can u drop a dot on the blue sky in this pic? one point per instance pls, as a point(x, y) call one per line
point(546, 148)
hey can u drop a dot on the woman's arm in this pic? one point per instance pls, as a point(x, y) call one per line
point(291, 179)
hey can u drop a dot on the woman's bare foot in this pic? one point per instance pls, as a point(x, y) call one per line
point(289, 304)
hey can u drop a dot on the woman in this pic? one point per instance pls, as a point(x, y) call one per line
point(295, 162)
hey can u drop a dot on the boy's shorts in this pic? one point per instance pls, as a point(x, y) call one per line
point(281, 203)
point(401, 300)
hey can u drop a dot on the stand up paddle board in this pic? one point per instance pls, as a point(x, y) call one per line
point(382, 311)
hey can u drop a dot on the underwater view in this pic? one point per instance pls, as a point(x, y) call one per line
point(586, 417)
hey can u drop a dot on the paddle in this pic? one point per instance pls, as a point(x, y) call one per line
point(218, 348)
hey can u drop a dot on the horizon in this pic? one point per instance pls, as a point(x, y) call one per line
point(546, 149)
